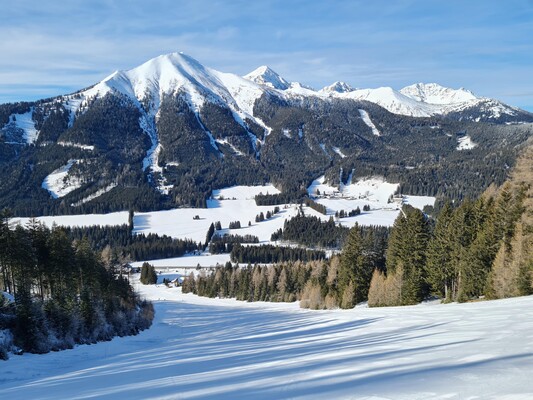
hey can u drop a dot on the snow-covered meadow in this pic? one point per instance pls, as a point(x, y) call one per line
point(223, 349)
point(237, 204)
point(111, 219)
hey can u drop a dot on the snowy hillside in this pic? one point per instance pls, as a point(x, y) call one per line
point(237, 204)
point(59, 183)
point(20, 129)
point(210, 348)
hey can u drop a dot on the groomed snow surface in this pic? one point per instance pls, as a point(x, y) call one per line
point(201, 348)
point(111, 219)
point(227, 205)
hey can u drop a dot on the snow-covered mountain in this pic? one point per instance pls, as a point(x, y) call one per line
point(264, 75)
point(392, 100)
point(338, 87)
point(175, 72)
point(417, 100)
point(426, 100)
point(434, 93)
point(167, 132)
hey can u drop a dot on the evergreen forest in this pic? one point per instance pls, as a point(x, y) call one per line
point(64, 292)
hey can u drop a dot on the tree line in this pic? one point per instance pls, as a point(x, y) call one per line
point(225, 243)
point(311, 231)
point(124, 245)
point(286, 197)
point(273, 254)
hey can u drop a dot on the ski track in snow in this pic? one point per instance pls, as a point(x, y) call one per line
point(339, 152)
point(95, 195)
point(111, 219)
point(26, 123)
point(223, 349)
point(366, 119)
point(78, 145)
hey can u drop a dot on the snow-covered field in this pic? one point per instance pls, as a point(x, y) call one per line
point(237, 204)
point(372, 192)
point(204, 260)
point(116, 218)
point(223, 349)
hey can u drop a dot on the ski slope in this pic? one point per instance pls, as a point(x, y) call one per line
point(223, 349)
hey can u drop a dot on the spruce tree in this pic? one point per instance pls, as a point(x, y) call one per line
point(148, 274)
point(439, 268)
point(355, 271)
point(209, 234)
point(407, 248)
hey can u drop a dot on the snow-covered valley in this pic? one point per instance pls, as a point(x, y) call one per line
point(223, 349)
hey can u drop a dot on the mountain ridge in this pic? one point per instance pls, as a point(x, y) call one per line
point(418, 100)
point(168, 132)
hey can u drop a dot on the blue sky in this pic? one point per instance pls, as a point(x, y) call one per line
point(55, 47)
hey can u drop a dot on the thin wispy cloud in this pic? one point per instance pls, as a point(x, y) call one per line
point(58, 46)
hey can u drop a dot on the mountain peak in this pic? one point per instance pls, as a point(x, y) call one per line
point(166, 73)
point(433, 93)
point(338, 87)
point(264, 75)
